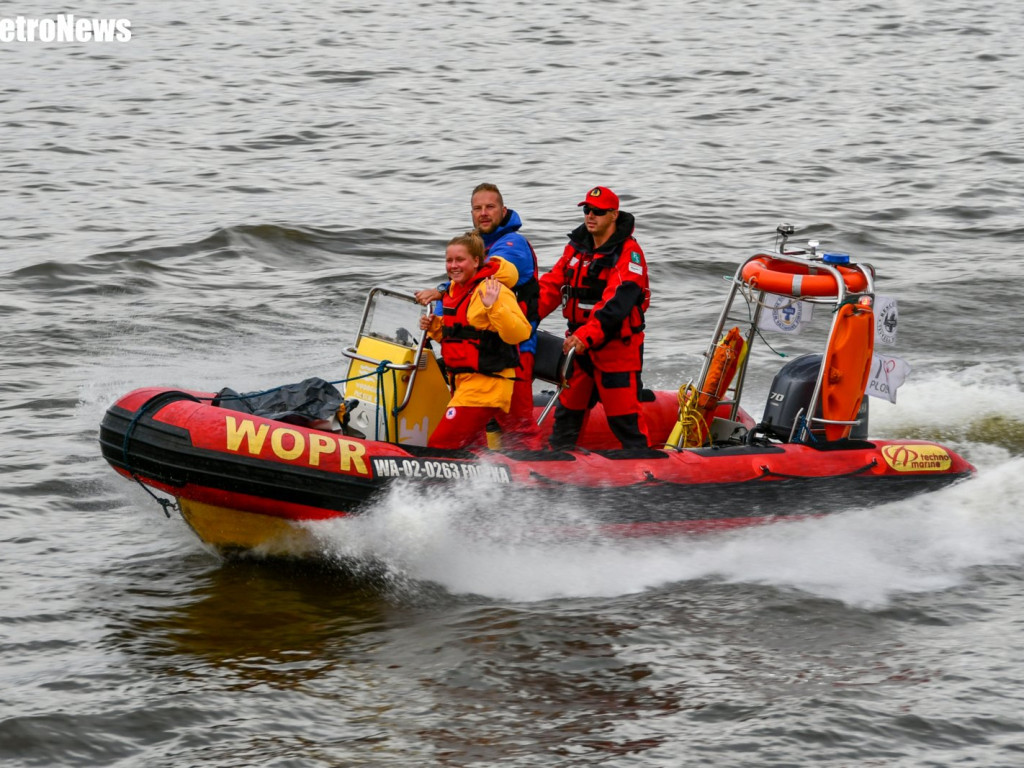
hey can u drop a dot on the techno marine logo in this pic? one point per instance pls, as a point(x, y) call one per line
point(916, 458)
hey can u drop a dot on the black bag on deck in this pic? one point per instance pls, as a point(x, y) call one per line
point(309, 403)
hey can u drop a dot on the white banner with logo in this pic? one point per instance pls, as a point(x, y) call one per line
point(784, 314)
point(887, 319)
point(887, 374)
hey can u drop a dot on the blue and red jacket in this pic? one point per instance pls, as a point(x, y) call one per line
point(507, 243)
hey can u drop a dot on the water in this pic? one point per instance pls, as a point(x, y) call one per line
point(207, 205)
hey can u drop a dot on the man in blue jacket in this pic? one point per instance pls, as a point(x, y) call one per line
point(499, 227)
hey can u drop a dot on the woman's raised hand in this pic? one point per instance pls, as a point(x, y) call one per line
point(491, 290)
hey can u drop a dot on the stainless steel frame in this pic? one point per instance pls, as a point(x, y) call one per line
point(806, 257)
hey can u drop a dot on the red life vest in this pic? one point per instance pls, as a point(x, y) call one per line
point(464, 348)
point(586, 281)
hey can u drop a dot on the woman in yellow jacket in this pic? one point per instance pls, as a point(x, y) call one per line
point(479, 332)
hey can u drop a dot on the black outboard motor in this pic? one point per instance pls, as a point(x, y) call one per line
point(790, 395)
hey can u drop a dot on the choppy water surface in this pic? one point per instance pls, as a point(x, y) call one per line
point(207, 205)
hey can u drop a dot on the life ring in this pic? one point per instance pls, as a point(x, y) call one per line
point(789, 278)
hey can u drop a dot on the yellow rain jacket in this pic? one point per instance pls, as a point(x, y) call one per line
point(482, 390)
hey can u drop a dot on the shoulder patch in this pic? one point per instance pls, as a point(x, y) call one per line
point(636, 269)
point(634, 257)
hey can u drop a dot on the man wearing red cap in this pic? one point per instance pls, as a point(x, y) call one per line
point(601, 284)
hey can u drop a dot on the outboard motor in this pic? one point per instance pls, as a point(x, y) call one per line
point(790, 395)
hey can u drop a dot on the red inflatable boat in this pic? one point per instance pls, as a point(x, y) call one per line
point(249, 471)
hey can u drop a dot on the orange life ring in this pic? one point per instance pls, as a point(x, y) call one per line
point(788, 278)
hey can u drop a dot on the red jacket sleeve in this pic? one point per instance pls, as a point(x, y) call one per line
point(626, 288)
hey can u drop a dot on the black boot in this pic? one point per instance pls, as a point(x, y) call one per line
point(627, 429)
point(568, 424)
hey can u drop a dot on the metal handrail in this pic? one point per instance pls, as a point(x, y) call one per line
point(838, 301)
point(562, 375)
point(417, 362)
point(353, 354)
point(795, 257)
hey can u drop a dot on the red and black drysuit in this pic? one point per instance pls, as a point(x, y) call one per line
point(604, 293)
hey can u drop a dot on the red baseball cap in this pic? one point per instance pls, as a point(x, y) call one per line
point(601, 197)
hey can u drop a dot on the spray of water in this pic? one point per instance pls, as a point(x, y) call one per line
point(481, 541)
point(976, 408)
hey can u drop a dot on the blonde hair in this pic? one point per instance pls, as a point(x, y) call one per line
point(473, 243)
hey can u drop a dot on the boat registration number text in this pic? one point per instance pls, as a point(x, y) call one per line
point(430, 469)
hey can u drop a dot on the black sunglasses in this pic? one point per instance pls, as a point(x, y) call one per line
point(588, 209)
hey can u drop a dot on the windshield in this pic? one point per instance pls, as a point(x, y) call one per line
point(393, 317)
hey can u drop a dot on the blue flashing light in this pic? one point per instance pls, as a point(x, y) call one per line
point(835, 258)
